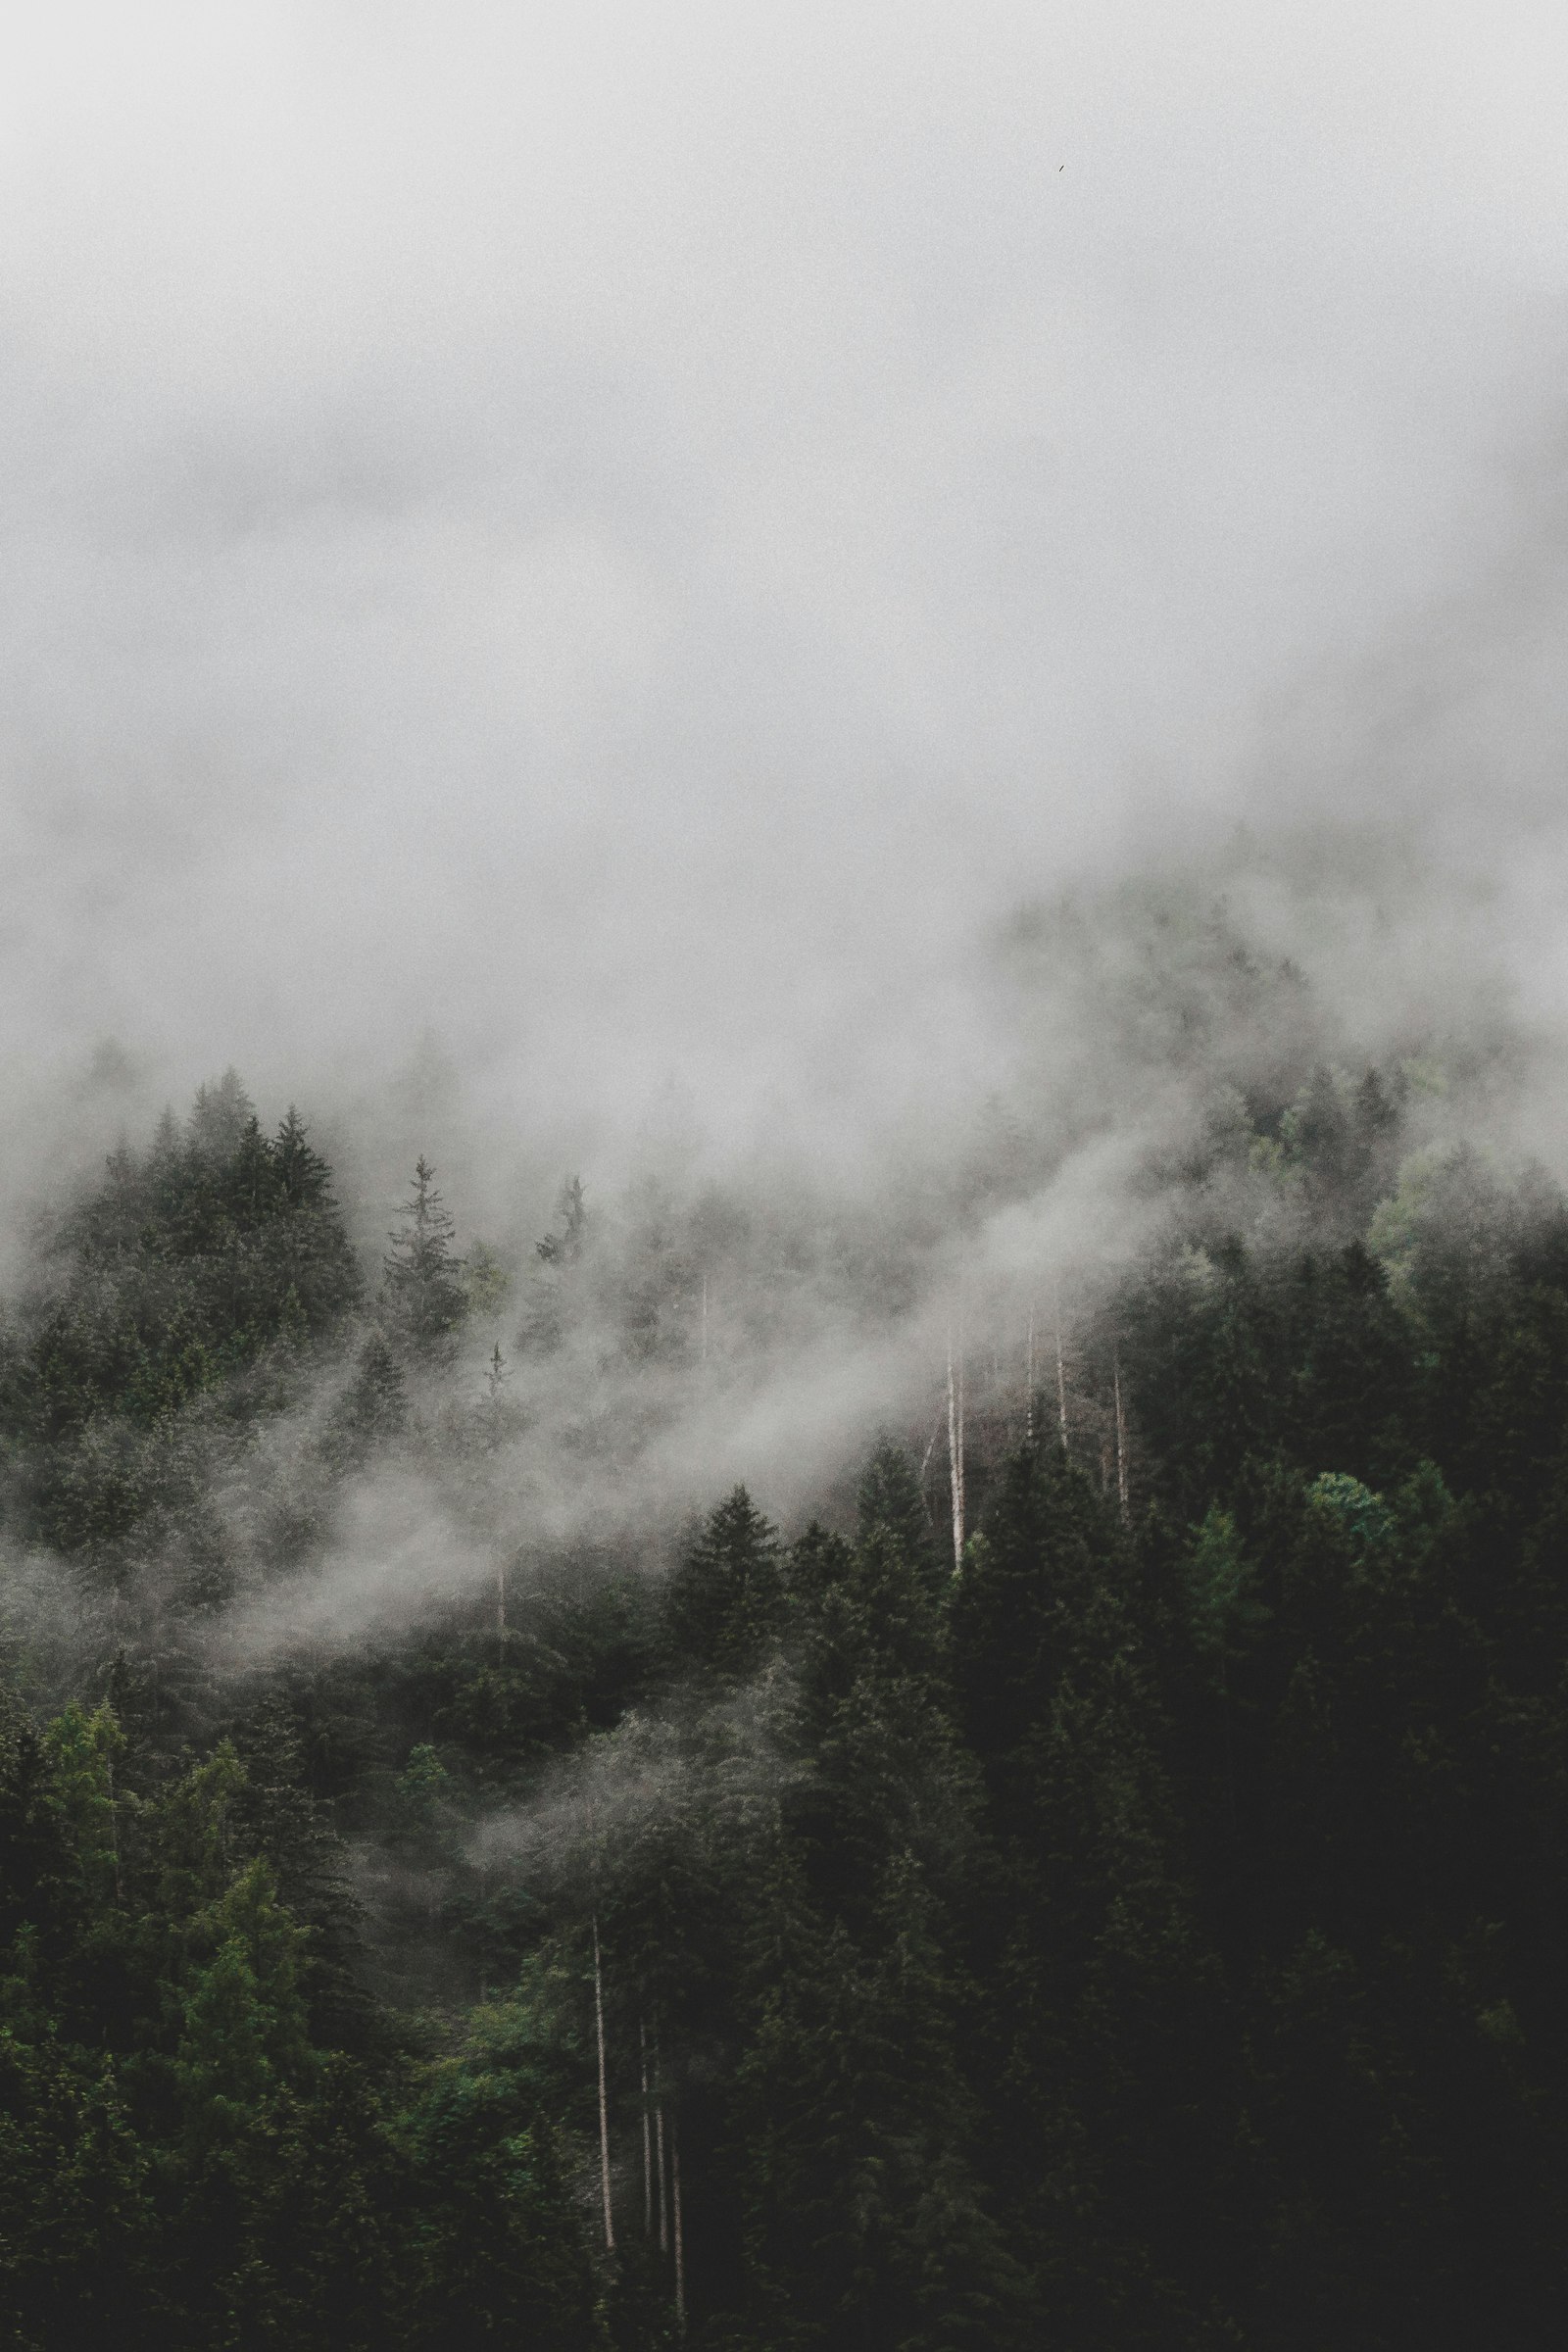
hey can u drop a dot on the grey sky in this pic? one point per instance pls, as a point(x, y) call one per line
point(623, 535)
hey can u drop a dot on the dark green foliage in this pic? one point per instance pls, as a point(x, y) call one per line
point(156, 1292)
point(495, 2247)
point(38, 1873)
point(1148, 1936)
point(726, 1599)
point(890, 1499)
point(867, 2221)
point(422, 1276)
point(187, 2158)
point(1100, 1988)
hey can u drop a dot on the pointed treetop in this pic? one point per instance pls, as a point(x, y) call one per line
point(566, 1247)
point(307, 1178)
point(424, 1274)
point(220, 1116)
point(890, 1503)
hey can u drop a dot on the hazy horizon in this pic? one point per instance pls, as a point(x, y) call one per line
point(612, 554)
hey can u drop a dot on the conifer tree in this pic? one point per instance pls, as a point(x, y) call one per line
point(726, 1599)
point(304, 1174)
point(220, 1116)
point(564, 1248)
point(243, 2024)
point(374, 1404)
point(889, 1497)
point(423, 1275)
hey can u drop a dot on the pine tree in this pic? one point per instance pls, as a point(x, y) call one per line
point(889, 1498)
point(219, 1118)
point(869, 2223)
point(243, 2028)
point(422, 1276)
point(44, 1871)
point(82, 1752)
point(304, 1174)
point(374, 1404)
point(564, 1248)
point(726, 1601)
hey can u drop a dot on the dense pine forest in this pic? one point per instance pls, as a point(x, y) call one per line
point(1130, 1923)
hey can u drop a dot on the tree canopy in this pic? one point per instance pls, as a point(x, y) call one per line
point(1145, 1932)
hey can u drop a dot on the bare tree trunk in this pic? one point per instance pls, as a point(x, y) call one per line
point(1029, 1396)
point(955, 1447)
point(680, 2240)
point(705, 1318)
point(501, 1603)
point(1122, 1501)
point(1062, 1377)
point(658, 2139)
point(648, 2143)
point(603, 2101)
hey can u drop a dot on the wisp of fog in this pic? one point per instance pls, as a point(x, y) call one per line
point(672, 596)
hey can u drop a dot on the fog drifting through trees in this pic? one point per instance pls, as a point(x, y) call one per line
point(783, 1288)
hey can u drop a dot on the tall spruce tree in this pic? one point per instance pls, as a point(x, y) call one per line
point(422, 1274)
point(726, 1601)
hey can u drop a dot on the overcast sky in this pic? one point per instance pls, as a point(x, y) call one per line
point(624, 536)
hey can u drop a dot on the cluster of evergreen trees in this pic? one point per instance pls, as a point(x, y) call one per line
point(1140, 1932)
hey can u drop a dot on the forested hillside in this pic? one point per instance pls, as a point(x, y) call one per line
point(1144, 1929)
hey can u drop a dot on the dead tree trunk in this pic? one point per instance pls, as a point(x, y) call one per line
point(658, 2139)
point(1061, 1378)
point(955, 1447)
point(1122, 1491)
point(680, 2237)
point(648, 2141)
point(603, 2098)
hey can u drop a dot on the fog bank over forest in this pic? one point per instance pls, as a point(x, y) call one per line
point(784, 1189)
point(877, 638)
point(571, 573)
point(798, 620)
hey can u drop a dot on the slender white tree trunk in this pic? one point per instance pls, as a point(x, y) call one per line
point(1029, 1396)
point(1061, 1378)
point(1122, 1492)
point(955, 1447)
point(658, 2142)
point(680, 2238)
point(648, 2140)
point(603, 2099)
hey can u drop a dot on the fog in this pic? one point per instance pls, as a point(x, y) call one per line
point(903, 636)
point(556, 553)
point(681, 593)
